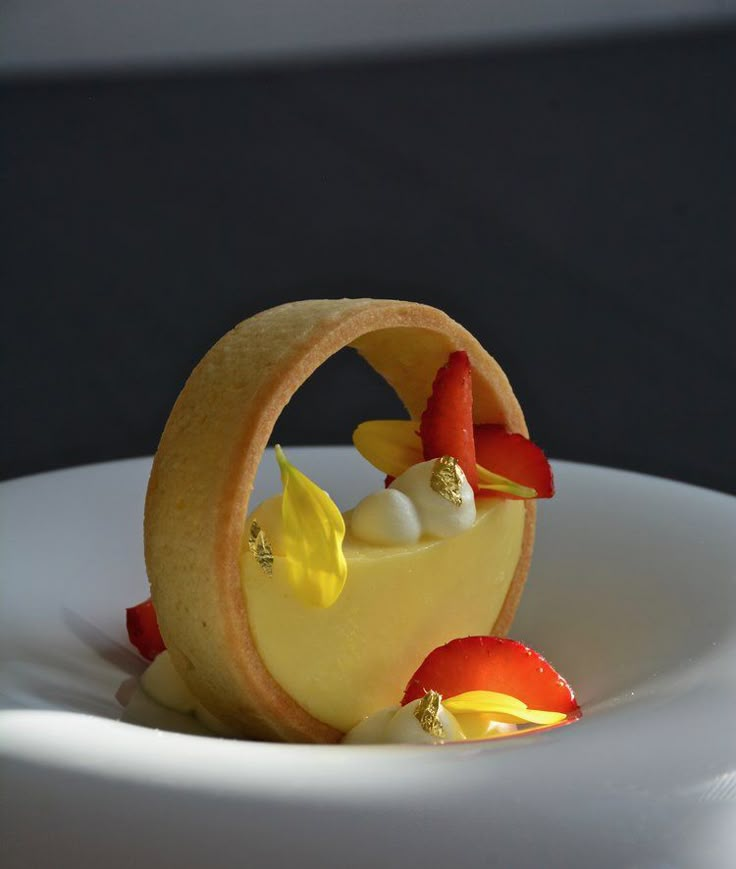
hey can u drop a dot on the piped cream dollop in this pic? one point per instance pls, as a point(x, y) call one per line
point(162, 684)
point(430, 499)
point(417, 723)
point(424, 721)
point(386, 518)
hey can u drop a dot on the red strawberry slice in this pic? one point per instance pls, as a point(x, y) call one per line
point(493, 664)
point(143, 631)
point(446, 427)
point(515, 457)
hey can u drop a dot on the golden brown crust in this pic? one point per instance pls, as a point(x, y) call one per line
point(204, 469)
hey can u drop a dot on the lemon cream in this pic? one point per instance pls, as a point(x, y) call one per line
point(343, 662)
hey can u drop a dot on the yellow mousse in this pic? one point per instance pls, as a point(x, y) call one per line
point(399, 602)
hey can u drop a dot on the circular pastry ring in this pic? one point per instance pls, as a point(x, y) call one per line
point(205, 466)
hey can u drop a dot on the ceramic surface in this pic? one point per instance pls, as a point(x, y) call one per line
point(632, 596)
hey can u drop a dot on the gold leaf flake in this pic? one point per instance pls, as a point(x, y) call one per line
point(427, 714)
point(261, 548)
point(445, 480)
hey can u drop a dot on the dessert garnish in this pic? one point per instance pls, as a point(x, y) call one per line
point(388, 517)
point(439, 516)
point(260, 548)
point(503, 463)
point(446, 427)
point(446, 480)
point(313, 530)
point(487, 674)
point(143, 630)
point(423, 722)
point(500, 707)
point(515, 457)
point(449, 711)
point(427, 714)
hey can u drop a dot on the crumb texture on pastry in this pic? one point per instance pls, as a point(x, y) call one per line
point(206, 462)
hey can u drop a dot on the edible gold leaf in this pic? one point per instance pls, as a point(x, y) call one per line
point(261, 548)
point(445, 480)
point(427, 714)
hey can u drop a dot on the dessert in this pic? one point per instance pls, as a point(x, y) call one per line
point(287, 620)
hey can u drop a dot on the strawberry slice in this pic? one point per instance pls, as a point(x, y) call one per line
point(143, 631)
point(515, 457)
point(493, 664)
point(446, 427)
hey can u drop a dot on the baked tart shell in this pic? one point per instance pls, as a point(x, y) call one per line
point(205, 466)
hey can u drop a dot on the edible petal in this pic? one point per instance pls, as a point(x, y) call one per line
point(500, 707)
point(479, 726)
point(313, 532)
point(391, 445)
point(490, 482)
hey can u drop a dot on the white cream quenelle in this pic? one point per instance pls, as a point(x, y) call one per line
point(422, 722)
point(386, 518)
point(425, 721)
point(430, 499)
point(163, 684)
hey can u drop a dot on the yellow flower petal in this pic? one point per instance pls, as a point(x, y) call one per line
point(313, 531)
point(476, 726)
point(482, 701)
point(539, 716)
point(391, 445)
point(495, 482)
point(500, 707)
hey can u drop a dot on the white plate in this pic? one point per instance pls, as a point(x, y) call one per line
point(632, 596)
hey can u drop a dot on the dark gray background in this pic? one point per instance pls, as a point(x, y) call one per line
point(573, 204)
